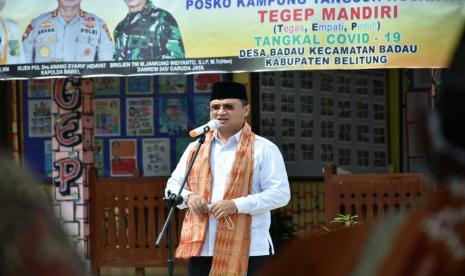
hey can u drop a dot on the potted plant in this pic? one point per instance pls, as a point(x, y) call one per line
point(343, 221)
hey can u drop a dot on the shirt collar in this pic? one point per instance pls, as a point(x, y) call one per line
point(149, 5)
point(236, 136)
point(145, 10)
point(56, 14)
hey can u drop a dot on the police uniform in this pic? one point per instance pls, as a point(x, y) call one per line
point(174, 123)
point(151, 33)
point(48, 38)
point(11, 48)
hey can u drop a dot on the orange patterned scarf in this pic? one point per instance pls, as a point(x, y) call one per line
point(231, 245)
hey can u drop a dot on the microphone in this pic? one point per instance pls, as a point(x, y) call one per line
point(212, 125)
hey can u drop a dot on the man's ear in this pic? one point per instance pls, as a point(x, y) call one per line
point(247, 110)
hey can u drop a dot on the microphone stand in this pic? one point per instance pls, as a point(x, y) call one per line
point(174, 200)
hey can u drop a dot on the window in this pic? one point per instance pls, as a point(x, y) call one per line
point(268, 126)
point(379, 135)
point(362, 110)
point(306, 104)
point(327, 129)
point(378, 110)
point(362, 134)
point(361, 83)
point(344, 107)
point(288, 151)
point(343, 84)
point(327, 82)
point(306, 80)
point(288, 127)
point(307, 152)
point(327, 153)
point(344, 157)
point(378, 87)
point(267, 102)
point(345, 132)
point(287, 79)
point(380, 158)
point(268, 79)
point(306, 128)
point(327, 106)
point(362, 158)
point(287, 103)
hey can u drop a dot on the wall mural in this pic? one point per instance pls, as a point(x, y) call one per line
point(73, 155)
point(67, 96)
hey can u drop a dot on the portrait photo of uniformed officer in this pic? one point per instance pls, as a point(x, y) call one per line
point(11, 48)
point(147, 32)
point(67, 34)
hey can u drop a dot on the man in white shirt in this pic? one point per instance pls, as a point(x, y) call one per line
point(237, 178)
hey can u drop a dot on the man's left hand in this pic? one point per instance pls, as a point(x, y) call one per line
point(223, 208)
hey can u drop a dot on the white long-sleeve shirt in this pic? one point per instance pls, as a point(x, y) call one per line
point(270, 188)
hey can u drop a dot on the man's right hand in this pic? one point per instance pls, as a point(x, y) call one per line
point(197, 204)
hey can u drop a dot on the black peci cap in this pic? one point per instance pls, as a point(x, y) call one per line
point(228, 90)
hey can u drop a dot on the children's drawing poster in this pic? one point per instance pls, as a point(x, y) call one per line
point(40, 88)
point(139, 117)
point(156, 157)
point(172, 84)
point(39, 119)
point(107, 121)
point(123, 156)
point(203, 82)
point(106, 86)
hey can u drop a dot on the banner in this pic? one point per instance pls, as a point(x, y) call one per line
point(51, 38)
